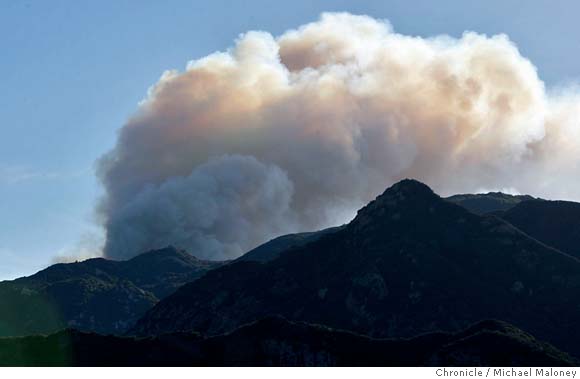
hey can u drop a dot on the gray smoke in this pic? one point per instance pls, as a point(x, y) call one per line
point(290, 133)
point(224, 205)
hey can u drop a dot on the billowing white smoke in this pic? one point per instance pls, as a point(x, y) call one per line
point(296, 132)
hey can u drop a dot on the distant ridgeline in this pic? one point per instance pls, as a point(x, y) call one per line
point(410, 263)
point(97, 295)
point(490, 202)
point(274, 341)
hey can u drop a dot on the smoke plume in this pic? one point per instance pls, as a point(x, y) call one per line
point(291, 133)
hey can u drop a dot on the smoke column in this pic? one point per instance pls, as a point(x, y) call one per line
point(294, 133)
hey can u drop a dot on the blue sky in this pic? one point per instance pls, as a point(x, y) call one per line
point(73, 71)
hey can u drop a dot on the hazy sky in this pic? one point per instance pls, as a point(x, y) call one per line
point(75, 70)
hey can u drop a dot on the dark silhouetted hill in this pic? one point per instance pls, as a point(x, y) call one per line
point(272, 249)
point(488, 202)
point(409, 263)
point(276, 342)
point(97, 294)
point(555, 223)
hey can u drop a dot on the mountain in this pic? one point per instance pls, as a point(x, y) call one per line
point(555, 223)
point(97, 294)
point(162, 271)
point(275, 341)
point(488, 202)
point(409, 263)
point(272, 249)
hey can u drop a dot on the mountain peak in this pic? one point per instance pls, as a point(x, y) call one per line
point(406, 193)
point(408, 197)
point(410, 187)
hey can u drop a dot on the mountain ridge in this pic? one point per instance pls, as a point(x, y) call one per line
point(554, 222)
point(408, 263)
point(96, 294)
point(271, 250)
point(275, 341)
point(482, 203)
